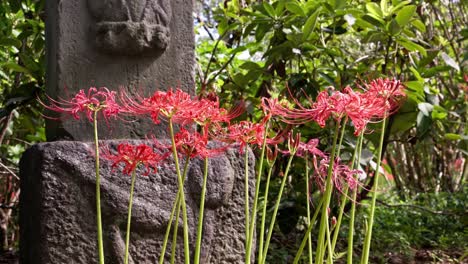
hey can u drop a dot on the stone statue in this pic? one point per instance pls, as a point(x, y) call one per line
point(57, 208)
point(131, 27)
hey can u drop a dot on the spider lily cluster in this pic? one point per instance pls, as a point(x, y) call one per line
point(374, 102)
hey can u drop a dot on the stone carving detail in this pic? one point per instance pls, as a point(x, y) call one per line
point(57, 208)
point(131, 27)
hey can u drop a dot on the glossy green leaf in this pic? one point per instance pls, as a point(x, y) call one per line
point(269, 8)
point(451, 136)
point(294, 8)
point(374, 9)
point(439, 113)
point(405, 14)
point(411, 46)
point(393, 27)
point(403, 122)
point(419, 25)
point(10, 42)
point(15, 67)
point(310, 25)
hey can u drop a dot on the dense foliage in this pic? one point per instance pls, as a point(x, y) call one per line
point(22, 75)
point(295, 49)
point(292, 48)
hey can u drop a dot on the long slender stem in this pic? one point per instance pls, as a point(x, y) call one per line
point(200, 215)
point(265, 204)
point(129, 217)
point(309, 238)
point(98, 194)
point(328, 192)
point(246, 202)
point(174, 234)
point(353, 208)
point(275, 211)
point(176, 226)
point(307, 233)
point(175, 207)
point(257, 191)
point(367, 240)
point(330, 253)
point(344, 199)
point(182, 194)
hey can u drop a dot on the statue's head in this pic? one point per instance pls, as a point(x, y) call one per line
point(131, 27)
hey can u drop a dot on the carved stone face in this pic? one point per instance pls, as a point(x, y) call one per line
point(131, 27)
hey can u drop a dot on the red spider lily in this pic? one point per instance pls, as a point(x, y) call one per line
point(384, 94)
point(101, 100)
point(310, 147)
point(272, 107)
point(132, 156)
point(341, 175)
point(208, 113)
point(194, 144)
point(177, 105)
point(246, 132)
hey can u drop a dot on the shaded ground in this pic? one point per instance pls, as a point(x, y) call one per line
point(426, 256)
point(9, 257)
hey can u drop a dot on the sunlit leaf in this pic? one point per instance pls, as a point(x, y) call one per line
point(405, 14)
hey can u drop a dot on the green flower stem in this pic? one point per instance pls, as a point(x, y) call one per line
point(328, 192)
point(171, 218)
point(367, 240)
point(344, 198)
point(353, 207)
point(275, 212)
point(200, 215)
point(246, 202)
point(174, 234)
point(176, 227)
point(98, 194)
point(265, 203)
point(307, 233)
point(257, 191)
point(309, 238)
point(129, 218)
point(330, 253)
point(182, 194)
point(340, 142)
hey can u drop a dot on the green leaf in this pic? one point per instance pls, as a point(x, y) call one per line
point(269, 8)
point(10, 42)
point(451, 136)
point(411, 46)
point(393, 27)
point(29, 62)
point(310, 25)
point(338, 4)
point(374, 9)
point(249, 65)
point(295, 9)
point(15, 67)
point(279, 7)
point(383, 6)
point(405, 14)
point(419, 25)
point(397, 7)
point(439, 113)
point(403, 122)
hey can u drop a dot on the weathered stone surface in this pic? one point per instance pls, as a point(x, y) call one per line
point(57, 207)
point(135, 45)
